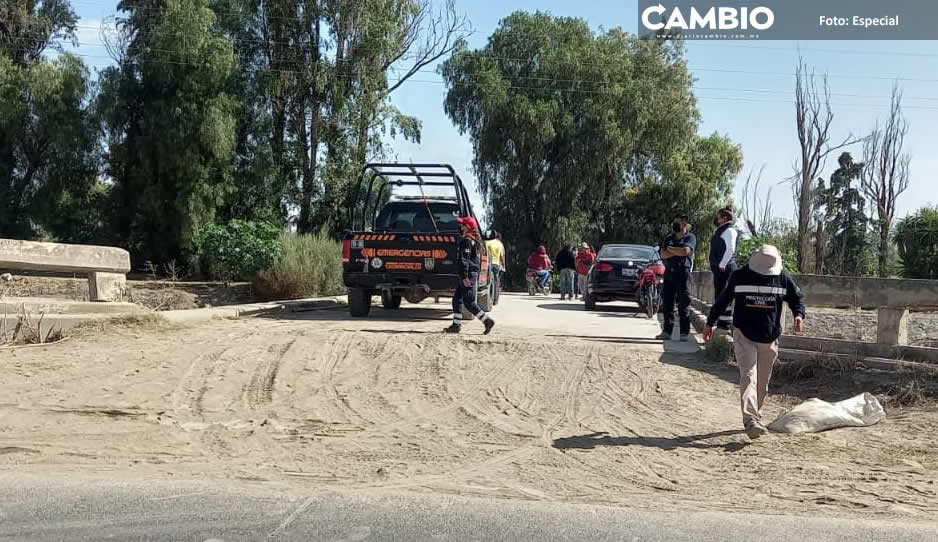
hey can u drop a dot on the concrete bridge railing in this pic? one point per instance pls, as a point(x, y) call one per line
point(891, 298)
point(106, 267)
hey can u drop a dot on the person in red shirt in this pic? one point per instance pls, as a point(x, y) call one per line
point(584, 260)
point(540, 263)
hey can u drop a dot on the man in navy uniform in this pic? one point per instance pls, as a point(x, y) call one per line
point(468, 264)
point(759, 291)
point(677, 251)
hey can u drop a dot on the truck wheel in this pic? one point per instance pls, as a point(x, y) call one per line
point(359, 302)
point(390, 301)
point(590, 302)
point(485, 301)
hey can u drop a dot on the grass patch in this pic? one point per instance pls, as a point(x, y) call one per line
point(308, 266)
point(719, 350)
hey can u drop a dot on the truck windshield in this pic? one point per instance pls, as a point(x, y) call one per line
point(412, 216)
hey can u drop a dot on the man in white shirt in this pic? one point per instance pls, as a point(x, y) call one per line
point(723, 259)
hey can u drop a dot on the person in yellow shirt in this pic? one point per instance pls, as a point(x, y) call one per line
point(496, 252)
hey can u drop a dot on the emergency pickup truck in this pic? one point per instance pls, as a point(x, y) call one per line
point(403, 236)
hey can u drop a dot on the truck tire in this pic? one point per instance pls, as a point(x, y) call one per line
point(390, 301)
point(590, 302)
point(359, 302)
point(485, 301)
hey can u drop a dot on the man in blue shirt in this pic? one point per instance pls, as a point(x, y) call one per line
point(677, 252)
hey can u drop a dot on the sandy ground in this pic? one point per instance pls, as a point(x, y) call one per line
point(557, 405)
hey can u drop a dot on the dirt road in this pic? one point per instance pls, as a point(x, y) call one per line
point(557, 405)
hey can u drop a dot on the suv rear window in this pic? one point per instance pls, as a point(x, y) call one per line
point(412, 216)
point(627, 253)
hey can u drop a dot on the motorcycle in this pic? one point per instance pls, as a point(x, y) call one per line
point(535, 285)
point(648, 287)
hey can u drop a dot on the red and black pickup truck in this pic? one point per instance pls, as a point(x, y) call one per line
point(403, 236)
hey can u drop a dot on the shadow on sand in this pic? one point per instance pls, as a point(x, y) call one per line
point(592, 440)
point(617, 311)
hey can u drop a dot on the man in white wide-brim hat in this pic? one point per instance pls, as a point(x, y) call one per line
point(758, 289)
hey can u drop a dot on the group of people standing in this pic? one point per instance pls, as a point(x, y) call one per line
point(757, 293)
point(573, 263)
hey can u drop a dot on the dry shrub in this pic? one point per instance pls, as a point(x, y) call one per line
point(719, 350)
point(913, 386)
point(26, 331)
point(308, 266)
point(163, 299)
point(146, 321)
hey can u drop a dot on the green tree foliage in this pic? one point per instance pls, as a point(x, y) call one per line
point(917, 240)
point(579, 135)
point(170, 122)
point(259, 110)
point(28, 28)
point(315, 88)
point(238, 250)
point(843, 222)
point(782, 234)
point(47, 142)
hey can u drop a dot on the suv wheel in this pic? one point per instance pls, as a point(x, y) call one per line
point(390, 301)
point(359, 302)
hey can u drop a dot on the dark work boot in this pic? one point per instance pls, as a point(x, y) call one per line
point(453, 329)
point(489, 324)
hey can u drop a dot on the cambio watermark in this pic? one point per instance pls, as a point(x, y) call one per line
point(789, 20)
point(722, 18)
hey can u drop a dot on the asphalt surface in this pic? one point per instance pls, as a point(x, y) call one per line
point(68, 508)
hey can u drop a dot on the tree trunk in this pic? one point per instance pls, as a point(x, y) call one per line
point(884, 230)
point(310, 135)
point(804, 226)
point(820, 249)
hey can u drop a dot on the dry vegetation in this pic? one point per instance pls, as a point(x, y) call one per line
point(157, 294)
point(147, 321)
point(24, 331)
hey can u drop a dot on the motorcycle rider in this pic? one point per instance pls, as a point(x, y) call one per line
point(468, 262)
point(540, 263)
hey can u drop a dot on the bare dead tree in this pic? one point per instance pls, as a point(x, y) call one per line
point(885, 173)
point(813, 118)
point(116, 39)
point(756, 211)
point(428, 37)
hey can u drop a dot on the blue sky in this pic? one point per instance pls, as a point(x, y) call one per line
point(744, 90)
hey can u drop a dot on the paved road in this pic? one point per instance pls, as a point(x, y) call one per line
point(65, 508)
point(622, 322)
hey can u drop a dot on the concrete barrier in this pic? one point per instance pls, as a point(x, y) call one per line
point(106, 267)
point(848, 292)
point(892, 350)
point(892, 298)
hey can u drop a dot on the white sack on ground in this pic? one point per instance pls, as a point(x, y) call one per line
point(815, 415)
